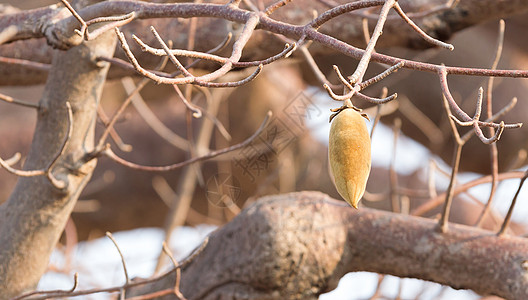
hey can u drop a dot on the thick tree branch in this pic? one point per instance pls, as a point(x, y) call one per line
point(297, 246)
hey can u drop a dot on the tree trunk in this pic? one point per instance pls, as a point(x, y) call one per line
point(34, 216)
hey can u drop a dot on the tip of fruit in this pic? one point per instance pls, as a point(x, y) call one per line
point(354, 194)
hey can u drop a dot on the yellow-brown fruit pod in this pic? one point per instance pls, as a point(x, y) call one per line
point(349, 153)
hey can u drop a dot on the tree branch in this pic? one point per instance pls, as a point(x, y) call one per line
point(299, 245)
point(440, 24)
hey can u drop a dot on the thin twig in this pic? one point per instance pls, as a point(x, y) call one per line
point(474, 122)
point(393, 176)
point(113, 133)
point(496, 116)
point(366, 32)
point(271, 9)
point(204, 80)
point(434, 202)
point(109, 153)
point(14, 159)
point(384, 92)
point(468, 121)
point(111, 237)
point(177, 291)
point(57, 293)
point(124, 105)
point(415, 15)
point(494, 159)
point(422, 33)
point(9, 99)
point(151, 119)
point(512, 206)
point(357, 76)
point(60, 293)
point(382, 75)
point(288, 49)
point(313, 66)
point(431, 182)
point(444, 219)
point(355, 90)
point(377, 292)
point(197, 112)
point(420, 120)
point(115, 21)
point(338, 10)
point(26, 63)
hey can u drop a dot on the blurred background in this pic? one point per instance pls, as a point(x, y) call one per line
point(290, 155)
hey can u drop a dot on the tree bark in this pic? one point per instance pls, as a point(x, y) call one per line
point(298, 245)
point(34, 216)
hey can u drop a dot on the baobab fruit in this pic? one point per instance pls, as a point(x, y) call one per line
point(349, 152)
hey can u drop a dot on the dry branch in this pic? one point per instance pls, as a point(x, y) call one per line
point(439, 24)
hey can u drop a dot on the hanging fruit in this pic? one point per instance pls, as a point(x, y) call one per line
point(349, 152)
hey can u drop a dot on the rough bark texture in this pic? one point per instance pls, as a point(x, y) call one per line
point(442, 24)
point(297, 246)
point(34, 216)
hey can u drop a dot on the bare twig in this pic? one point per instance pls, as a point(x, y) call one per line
point(434, 202)
point(357, 76)
point(124, 105)
point(14, 159)
point(113, 133)
point(416, 15)
point(424, 35)
point(338, 10)
point(377, 292)
point(109, 153)
point(444, 219)
point(72, 293)
point(9, 99)
point(384, 92)
point(512, 206)
point(382, 75)
point(355, 90)
point(214, 58)
point(197, 112)
point(151, 119)
point(176, 290)
point(270, 9)
point(496, 116)
point(58, 293)
point(474, 122)
point(468, 121)
point(314, 67)
point(115, 21)
point(204, 80)
point(111, 237)
point(494, 159)
point(420, 120)
point(26, 63)
point(393, 176)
